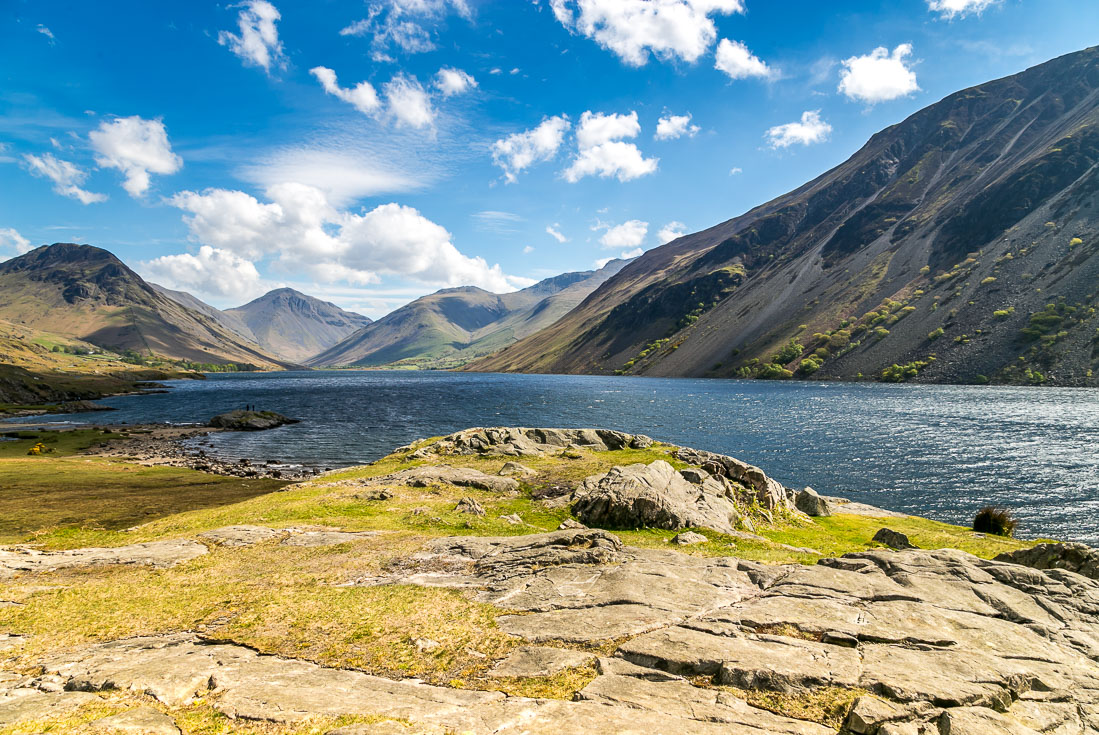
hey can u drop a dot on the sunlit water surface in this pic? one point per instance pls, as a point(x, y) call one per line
point(937, 451)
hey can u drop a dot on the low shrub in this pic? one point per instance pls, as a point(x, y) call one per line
point(995, 521)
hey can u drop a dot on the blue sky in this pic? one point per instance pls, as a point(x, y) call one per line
point(371, 152)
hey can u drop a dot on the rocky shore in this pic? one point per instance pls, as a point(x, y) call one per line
point(648, 605)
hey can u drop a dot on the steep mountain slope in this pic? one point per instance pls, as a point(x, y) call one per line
point(451, 327)
point(295, 326)
point(230, 321)
point(959, 244)
point(84, 292)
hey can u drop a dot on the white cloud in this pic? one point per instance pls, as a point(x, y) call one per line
point(628, 254)
point(343, 174)
point(136, 147)
point(671, 127)
point(47, 33)
point(626, 235)
point(952, 8)
point(554, 231)
point(879, 76)
point(211, 272)
point(603, 261)
point(519, 151)
point(634, 29)
point(736, 171)
point(301, 232)
point(600, 152)
point(401, 24)
point(362, 96)
point(408, 103)
point(258, 43)
point(811, 129)
point(528, 250)
point(12, 241)
point(454, 81)
point(671, 231)
point(734, 58)
point(66, 177)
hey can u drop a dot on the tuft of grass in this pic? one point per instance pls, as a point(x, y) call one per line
point(827, 706)
point(996, 521)
point(562, 685)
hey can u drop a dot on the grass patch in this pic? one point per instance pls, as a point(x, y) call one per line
point(562, 685)
point(825, 705)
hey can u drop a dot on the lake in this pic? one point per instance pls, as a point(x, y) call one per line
point(936, 451)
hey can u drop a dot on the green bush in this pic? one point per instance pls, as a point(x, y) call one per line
point(788, 353)
point(809, 365)
point(772, 371)
point(934, 335)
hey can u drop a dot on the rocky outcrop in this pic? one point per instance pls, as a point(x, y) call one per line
point(523, 442)
point(442, 475)
point(945, 641)
point(655, 496)
point(241, 420)
point(893, 539)
point(769, 492)
point(1077, 558)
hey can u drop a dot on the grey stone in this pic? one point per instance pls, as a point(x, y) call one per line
point(375, 495)
point(980, 721)
point(237, 536)
point(811, 504)
point(867, 714)
point(241, 420)
point(892, 539)
point(687, 538)
point(161, 554)
point(570, 524)
point(651, 496)
point(469, 505)
point(142, 721)
point(695, 475)
point(25, 705)
point(540, 661)
point(514, 469)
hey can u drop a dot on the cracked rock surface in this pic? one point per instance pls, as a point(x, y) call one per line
point(524, 442)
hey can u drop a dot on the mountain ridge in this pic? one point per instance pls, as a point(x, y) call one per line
point(983, 203)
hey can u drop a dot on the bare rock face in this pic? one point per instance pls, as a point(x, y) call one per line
point(140, 721)
point(241, 420)
point(240, 536)
point(523, 442)
point(153, 554)
point(540, 661)
point(653, 496)
point(1077, 558)
point(770, 493)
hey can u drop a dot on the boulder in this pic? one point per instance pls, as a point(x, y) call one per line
point(688, 538)
point(514, 469)
point(770, 493)
point(471, 506)
point(652, 496)
point(893, 539)
point(1077, 558)
point(811, 504)
point(570, 523)
point(241, 420)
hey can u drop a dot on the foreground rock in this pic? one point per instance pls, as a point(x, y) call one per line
point(655, 496)
point(945, 637)
point(769, 492)
point(241, 420)
point(522, 442)
point(812, 504)
point(161, 554)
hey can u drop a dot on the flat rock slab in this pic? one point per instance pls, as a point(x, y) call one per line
point(325, 537)
point(161, 554)
point(442, 475)
point(239, 536)
point(540, 661)
point(140, 721)
point(27, 705)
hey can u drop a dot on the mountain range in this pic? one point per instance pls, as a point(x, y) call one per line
point(451, 327)
point(957, 246)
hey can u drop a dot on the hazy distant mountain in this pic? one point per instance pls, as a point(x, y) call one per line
point(295, 326)
point(960, 244)
point(86, 292)
point(451, 327)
